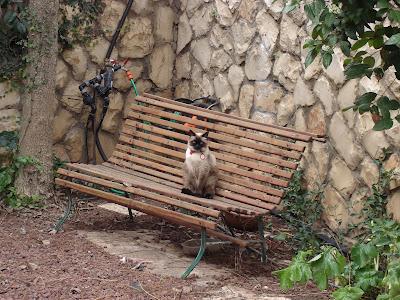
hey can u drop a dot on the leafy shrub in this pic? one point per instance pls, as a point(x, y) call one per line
point(9, 171)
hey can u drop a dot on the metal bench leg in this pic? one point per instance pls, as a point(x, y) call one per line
point(67, 213)
point(262, 240)
point(130, 214)
point(199, 254)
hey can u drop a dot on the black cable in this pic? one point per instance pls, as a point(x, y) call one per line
point(118, 30)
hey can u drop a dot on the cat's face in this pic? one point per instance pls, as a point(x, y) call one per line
point(198, 141)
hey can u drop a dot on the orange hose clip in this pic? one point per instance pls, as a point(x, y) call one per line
point(129, 74)
point(191, 125)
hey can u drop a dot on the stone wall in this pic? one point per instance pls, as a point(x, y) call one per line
point(248, 54)
point(148, 40)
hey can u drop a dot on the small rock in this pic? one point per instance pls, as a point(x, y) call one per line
point(75, 290)
point(22, 267)
point(33, 266)
point(187, 289)
point(46, 242)
point(22, 230)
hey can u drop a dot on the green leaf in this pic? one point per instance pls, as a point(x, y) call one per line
point(9, 16)
point(394, 15)
point(348, 293)
point(360, 43)
point(369, 60)
point(356, 71)
point(366, 279)
point(312, 54)
point(384, 124)
point(298, 271)
point(393, 40)
point(326, 59)
point(366, 98)
point(290, 7)
point(329, 264)
point(383, 4)
point(377, 42)
point(394, 104)
point(345, 47)
point(397, 118)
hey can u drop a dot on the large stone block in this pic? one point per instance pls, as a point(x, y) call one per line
point(285, 110)
point(74, 141)
point(97, 50)
point(62, 122)
point(258, 62)
point(220, 60)
point(342, 178)
point(287, 70)
point(323, 90)
point(9, 119)
point(113, 117)
point(316, 120)
point(268, 30)
point(110, 17)
point(201, 51)
point(302, 95)
point(267, 95)
point(71, 98)
point(223, 13)
point(224, 92)
point(162, 65)
point(369, 172)
point(9, 98)
point(243, 34)
point(336, 212)
point(235, 78)
point(393, 206)
point(77, 60)
point(344, 141)
point(62, 75)
point(289, 36)
point(221, 37)
point(138, 41)
point(183, 66)
point(164, 24)
point(375, 143)
point(246, 100)
point(346, 97)
point(248, 9)
point(202, 20)
point(184, 33)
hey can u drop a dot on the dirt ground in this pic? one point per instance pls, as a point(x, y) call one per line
point(35, 264)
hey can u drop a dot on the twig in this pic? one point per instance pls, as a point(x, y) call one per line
point(143, 290)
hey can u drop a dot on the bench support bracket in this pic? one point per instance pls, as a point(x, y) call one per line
point(69, 210)
point(130, 214)
point(262, 239)
point(200, 254)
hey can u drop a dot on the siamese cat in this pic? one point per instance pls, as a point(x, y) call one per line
point(200, 172)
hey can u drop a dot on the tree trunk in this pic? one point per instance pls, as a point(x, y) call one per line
point(39, 97)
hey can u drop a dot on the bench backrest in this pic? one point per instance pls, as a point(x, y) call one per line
point(256, 161)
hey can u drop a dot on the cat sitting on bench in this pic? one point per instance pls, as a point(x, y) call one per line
point(200, 172)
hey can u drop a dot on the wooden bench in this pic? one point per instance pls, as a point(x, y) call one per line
point(256, 162)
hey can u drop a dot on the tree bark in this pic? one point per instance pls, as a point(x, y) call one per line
point(38, 99)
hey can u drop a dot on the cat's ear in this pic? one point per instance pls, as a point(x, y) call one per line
point(205, 135)
point(191, 132)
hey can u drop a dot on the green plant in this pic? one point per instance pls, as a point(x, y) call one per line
point(371, 44)
point(9, 171)
point(372, 270)
point(77, 25)
point(301, 209)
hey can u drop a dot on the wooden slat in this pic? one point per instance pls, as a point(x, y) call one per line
point(175, 171)
point(221, 117)
point(140, 192)
point(219, 137)
point(230, 169)
point(228, 178)
point(239, 181)
point(219, 191)
point(96, 170)
point(218, 128)
point(244, 208)
point(140, 206)
point(314, 135)
point(220, 156)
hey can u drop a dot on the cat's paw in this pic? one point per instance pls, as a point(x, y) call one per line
point(186, 191)
point(208, 196)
